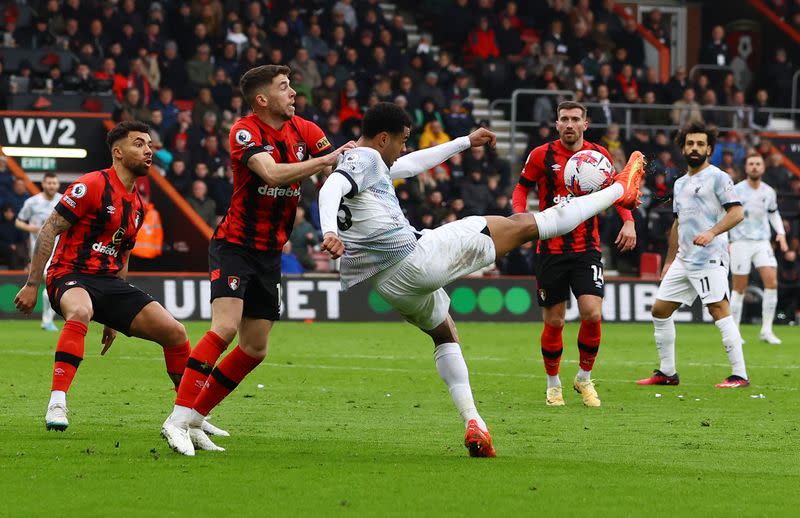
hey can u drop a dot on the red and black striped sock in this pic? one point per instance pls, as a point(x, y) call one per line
point(69, 354)
point(201, 360)
point(176, 357)
point(552, 347)
point(224, 379)
point(588, 343)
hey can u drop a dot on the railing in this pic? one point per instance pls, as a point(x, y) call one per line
point(794, 89)
point(514, 102)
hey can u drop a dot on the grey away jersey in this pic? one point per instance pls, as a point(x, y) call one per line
point(375, 233)
point(757, 204)
point(699, 203)
point(36, 210)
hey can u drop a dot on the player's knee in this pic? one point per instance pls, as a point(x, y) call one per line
point(82, 314)
point(554, 322)
point(660, 312)
point(258, 352)
point(225, 330)
point(592, 316)
point(178, 333)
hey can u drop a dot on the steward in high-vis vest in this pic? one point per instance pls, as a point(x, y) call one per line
point(150, 239)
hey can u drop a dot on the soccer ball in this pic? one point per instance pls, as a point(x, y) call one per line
point(588, 171)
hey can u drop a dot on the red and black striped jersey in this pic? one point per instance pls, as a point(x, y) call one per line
point(105, 218)
point(261, 216)
point(545, 169)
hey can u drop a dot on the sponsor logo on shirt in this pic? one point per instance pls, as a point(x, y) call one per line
point(561, 199)
point(243, 137)
point(69, 201)
point(111, 209)
point(275, 192)
point(105, 249)
point(556, 167)
point(322, 143)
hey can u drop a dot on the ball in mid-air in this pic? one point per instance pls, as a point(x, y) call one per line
point(588, 171)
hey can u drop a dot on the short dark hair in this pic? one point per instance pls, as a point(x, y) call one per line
point(569, 105)
point(122, 129)
point(49, 174)
point(696, 127)
point(386, 117)
point(259, 77)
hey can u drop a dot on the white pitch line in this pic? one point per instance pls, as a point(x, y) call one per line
point(475, 373)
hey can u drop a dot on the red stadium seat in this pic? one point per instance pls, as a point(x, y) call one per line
point(649, 265)
point(184, 105)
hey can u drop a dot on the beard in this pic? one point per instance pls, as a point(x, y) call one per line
point(138, 168)
point(694, 160)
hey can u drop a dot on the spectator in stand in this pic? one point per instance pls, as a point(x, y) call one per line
point(303, 237)
point(611, 139)
point(653, 84)
point(13, 241)
point(580, 44)
point(200, 69)
point(328, 90)
point(716, 52)
point(460, 90)
point(180, 148)
point(430, 89)
point(304, 64)
point(701, 85)
point(197, 133)
point(173, 71)
point(475, 194)
point(316, 46)
point(760, 118)
point(741, 117)
point(18, 194)
point(602, 39)
point(711, 114)
point(327, 109)
point(727, 89)
point(39, 37)
point(213, 156)
point(606, 77)
point(508, 40)
point(655, 24)
point(686, 110)
point(677, 84)
point(428, 113)
point(178, 176)
point(558, 38)
point(776, 175)
point(433, 135)
point(550, 60)
point(630, 39)
point(204, 104)
point(220, 189)
point(333, 130)
point(481, 42)
point(604, 114)
point(222, 91)
point(135, 105)
point(458, 120)
point(627, 80)
point(581, 13)
point(780, 72)
point(202, 204)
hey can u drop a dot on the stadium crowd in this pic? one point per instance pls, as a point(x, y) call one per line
point(176, 66)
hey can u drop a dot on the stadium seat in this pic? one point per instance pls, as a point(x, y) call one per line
point(649, 265)
point(184, 105)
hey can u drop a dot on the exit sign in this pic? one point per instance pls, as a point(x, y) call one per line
point(38, 164)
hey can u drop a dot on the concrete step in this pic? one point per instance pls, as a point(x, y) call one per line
point(501, 125)
point(485, 113)
point(480, 102)
point(387, 7)
point(474, 92)
point(506, 136)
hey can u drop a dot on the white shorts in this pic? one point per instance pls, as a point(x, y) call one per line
point(746, 252)
point(414, 285)
point(682, 285)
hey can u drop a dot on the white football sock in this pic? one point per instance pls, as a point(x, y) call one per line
point(665, 343)
point(565, 216)
point(584, 375)
point(768, 304)
point(553, 381)
point(181, 414)
point(737, 302)
point(453, 370)
point(47, 312)
point(58, 397)
point(732, 341)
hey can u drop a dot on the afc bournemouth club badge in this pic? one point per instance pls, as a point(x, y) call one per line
point(542, 294)
point(300, 151)
point(233, 282)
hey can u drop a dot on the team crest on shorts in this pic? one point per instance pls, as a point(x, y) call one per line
point(300, 150)
point(542, 294)
point(233, 282)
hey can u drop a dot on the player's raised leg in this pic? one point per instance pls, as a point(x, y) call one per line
point(769, 276)
point(452, 369)
point(76, 306)
point(509, 233)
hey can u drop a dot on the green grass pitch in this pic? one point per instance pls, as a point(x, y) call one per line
point(352, 419)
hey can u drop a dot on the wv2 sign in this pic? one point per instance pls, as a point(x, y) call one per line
point(24, 131)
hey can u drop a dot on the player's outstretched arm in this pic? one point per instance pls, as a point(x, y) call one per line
point(276, 175)
point(55, 225)
point(335, 188)
point(420, 161)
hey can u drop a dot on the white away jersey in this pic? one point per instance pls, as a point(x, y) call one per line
point(757, 204)
point(699, 203)
point(36, 210)
point(371, 223)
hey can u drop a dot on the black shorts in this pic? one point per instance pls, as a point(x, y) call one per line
point(248, 274)
point(556, 274)
point(115, 302)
